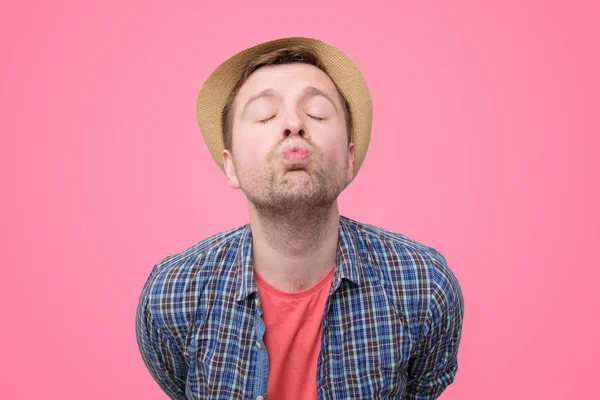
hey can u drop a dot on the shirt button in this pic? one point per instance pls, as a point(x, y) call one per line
point(256, 302)
point(260, 398)
point(258, 345)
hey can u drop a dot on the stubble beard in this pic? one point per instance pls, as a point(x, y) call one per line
point(298, 193)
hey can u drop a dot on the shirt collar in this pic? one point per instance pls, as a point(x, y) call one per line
point(348, 265)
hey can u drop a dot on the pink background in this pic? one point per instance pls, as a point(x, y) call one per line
point(484, 133)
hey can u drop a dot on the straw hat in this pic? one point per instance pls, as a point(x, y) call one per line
point(216, 90)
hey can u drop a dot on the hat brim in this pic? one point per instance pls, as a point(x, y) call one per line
point(216, 89)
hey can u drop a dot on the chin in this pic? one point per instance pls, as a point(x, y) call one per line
point(298, 178)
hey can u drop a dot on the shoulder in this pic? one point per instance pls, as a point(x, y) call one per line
point(171, 291)
point(414, 275)
point(383, 244)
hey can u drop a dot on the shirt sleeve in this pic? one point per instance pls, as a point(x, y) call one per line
point(162, 356)
point(435, 363)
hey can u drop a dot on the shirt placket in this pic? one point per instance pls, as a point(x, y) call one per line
point(261, 355)
point(321, 366)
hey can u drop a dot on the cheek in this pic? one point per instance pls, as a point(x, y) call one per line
point(251, 152)
point(335, 148)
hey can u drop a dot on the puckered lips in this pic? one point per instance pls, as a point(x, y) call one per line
point(295, 153)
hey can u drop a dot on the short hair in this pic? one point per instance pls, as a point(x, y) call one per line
point(287, 55)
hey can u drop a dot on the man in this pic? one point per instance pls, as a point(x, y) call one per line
point(301, 303)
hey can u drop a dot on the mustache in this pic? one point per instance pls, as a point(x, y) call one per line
point(293, 144)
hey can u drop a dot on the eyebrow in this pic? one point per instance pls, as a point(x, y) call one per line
point(308, 91)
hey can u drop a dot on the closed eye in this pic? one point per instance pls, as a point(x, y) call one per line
point(264, 121)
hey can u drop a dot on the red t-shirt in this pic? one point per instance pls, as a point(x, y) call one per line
point(293, 337)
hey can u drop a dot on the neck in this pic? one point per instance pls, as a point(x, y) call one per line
point(293, 250)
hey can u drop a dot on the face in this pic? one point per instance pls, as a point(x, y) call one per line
point(290, 147)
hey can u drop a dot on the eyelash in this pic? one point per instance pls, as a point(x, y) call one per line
point(264, 121)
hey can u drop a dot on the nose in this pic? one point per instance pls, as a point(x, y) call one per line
point(293, 125)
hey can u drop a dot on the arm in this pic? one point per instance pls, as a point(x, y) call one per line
point(162, 356)
point(434, 365)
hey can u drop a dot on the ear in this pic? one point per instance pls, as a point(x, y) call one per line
point(350, 163)
point(230, 169)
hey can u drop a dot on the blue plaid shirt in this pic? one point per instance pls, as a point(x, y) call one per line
point(391, 326)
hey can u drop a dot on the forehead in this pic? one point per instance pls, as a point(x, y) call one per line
point(286, 78)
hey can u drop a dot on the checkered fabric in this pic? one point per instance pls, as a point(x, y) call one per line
point(391, 327)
